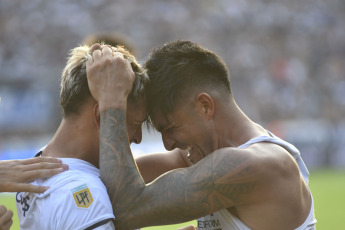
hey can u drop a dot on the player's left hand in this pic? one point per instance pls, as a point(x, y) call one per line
point(5, 218)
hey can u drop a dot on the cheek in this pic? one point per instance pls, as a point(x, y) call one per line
point(201, 137)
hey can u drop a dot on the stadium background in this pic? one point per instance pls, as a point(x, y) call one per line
point(286, 59)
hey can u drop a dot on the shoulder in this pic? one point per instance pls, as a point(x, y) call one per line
point(80, 202)
point(254, 170)
point(273, 169)
point(272, 158)
point(79, 172)
point(261, 156)
point(73, 187)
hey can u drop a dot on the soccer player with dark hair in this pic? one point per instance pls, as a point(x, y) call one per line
point(243, 177)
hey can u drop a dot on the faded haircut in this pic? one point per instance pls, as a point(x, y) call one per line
point(178, 69)
point(74, 86)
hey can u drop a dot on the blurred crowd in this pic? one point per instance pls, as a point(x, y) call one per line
point(286, 59)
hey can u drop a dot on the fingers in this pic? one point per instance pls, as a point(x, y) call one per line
point(129, 67)
point(30, 161)
point(7, 226)
point(107, 51)
point(22, 187)
point(33, 174)
point(3, 209)
point(5, 218)
point(44, 165)
point(96, 55)
point(95, 46)
point(40, 159)
point(39, 167)
point(98, 51)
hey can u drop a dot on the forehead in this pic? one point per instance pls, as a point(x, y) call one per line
point(136, 109)
point(161, 121)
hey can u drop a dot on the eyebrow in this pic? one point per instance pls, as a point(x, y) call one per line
point(159, 128)
point(164, 127)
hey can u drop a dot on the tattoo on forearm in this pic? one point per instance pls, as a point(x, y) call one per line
point(214, 183)
point(116, 160)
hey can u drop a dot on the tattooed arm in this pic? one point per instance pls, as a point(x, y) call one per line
point(221, 180)
point(118, 168)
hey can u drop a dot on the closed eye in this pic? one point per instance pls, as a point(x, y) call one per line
point(169, 130)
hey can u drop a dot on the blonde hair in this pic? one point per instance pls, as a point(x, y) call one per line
point(74, 87)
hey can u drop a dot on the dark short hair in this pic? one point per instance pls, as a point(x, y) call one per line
point(179, 67)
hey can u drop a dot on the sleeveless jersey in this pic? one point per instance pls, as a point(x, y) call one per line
point(224, 220)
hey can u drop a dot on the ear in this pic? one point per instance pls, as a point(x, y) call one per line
point(205, 105)
point(97, 116)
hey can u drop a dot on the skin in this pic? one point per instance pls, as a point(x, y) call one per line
point(16, 174)
point(154, 165)
point(189, 227)
point(259, 183)
point(78, 137)
point(5, 218)
point(78, 134)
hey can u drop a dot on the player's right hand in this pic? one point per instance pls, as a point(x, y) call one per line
point(110, 77)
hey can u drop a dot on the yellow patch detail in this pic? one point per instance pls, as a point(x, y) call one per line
point(83, 198)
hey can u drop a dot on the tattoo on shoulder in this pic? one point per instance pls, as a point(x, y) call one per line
point(233, 177)
point(227, 180)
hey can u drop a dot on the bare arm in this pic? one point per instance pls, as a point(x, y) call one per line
point(16, 174)
point(223, 179)
point(154, 165)
point(214, 183)
point(124, 170)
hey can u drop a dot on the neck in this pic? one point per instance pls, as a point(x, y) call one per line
point(73, 139)
point(236, 128)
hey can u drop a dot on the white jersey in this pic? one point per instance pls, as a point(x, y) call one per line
point(224, 220)
point(76, 199)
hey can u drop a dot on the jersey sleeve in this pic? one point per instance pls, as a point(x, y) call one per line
point(82, 205)
point(103, 226)
point(108, 226)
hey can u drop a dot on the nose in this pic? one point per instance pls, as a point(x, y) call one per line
point(138, 136)
point(168, 142)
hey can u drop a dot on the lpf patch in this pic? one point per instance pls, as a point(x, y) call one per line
point(82, 196)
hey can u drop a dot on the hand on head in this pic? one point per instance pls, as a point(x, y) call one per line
point(16, 174)
point(110, 76)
